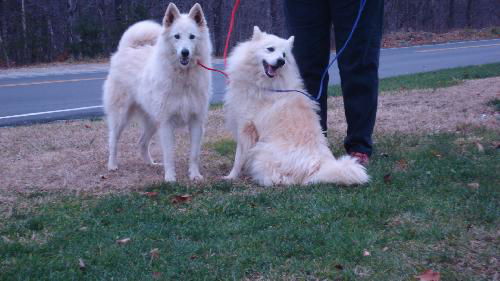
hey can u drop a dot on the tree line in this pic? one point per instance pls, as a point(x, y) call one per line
point(55, 30)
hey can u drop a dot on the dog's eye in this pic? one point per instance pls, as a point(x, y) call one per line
point(192, 36)
point(284, 55)
point(177, 36)
point(270, 49)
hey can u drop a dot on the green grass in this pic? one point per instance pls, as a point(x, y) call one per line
point(422, 216)
point(432, 80)
point(226, 147)
point(215, 106)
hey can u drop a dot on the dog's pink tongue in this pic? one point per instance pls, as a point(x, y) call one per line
point(270, 70)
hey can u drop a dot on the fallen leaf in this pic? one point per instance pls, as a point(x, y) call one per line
point(480, 147)
point(103, 177)
point(429, 275)
point(339, 267)
point(156, 275)
point(388, 178)
point(402, 165)
point(155, 253)
point(83, 228)
point(151, 194)
point(385, 249)
point(437, 154)
point(473, 185)
point(123, 241)
point(193, 257)
point(81, 265)
point(177, 199)
point(366, 253)
point(87, 126)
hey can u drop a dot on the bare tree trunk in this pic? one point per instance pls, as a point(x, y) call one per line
point(4, 51)
point(25, 37)
point(72, 7)
point(52, 47)
point(469, 13)
point(4, 31)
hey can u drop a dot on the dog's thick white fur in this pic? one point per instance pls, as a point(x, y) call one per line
point(279, 138)
point(154, 75)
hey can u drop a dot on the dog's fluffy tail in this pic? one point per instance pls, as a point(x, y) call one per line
point(140, 34)
point(345, 170)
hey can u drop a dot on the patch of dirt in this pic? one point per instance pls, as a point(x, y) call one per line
point(413, 38)
point(70, 157)
point(429, 111)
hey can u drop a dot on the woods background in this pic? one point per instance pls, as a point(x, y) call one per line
point(54, 30)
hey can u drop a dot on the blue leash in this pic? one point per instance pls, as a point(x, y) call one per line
point(354, 26)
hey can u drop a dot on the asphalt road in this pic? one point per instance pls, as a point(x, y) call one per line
point(69, 93)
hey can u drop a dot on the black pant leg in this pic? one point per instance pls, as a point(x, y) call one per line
point(358, 67)
point(310, 22)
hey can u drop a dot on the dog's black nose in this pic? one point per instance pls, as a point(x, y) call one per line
point(280, 62)
point(185, 53)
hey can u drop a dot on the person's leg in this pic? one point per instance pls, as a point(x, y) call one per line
point(358, 66)
point(310, 23)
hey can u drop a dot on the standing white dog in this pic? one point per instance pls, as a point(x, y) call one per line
point(154, 75)
point(279, 138)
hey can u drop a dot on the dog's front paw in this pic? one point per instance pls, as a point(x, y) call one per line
point(170, 178)
point(230, 177)
point(112, 167)
point(195, 177)
point(194, 174)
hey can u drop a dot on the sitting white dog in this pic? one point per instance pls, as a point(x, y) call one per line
point(279, 138)
point(154, 75)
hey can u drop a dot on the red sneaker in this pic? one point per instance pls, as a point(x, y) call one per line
point(361, 157)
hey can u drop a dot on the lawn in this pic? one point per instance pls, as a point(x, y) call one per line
point(432, 203)
point(433, 79)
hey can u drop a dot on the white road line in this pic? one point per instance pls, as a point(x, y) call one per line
point(440, 44)
point(51, 82)
point(456, 48)
point(53, 111)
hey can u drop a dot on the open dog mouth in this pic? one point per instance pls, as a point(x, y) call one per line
point(270, 70)
point(184, 60)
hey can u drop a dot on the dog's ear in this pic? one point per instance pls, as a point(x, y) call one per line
point(196, 13)
point(256, 33)
point(291, 40)
point(171, 15)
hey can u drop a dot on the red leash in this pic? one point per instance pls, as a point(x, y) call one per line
point(213, 69)
point(228, 37)
point(230, 31)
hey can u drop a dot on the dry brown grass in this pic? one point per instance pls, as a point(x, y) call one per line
point(414, 38)
point(430, 111)
point(70, 157)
